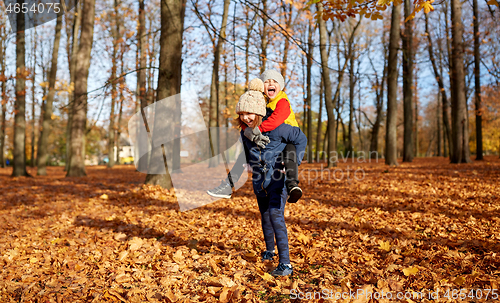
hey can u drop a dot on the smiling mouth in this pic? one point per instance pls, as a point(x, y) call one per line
point(271, 90)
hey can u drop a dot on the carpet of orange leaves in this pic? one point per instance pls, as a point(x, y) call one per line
point(422, 226)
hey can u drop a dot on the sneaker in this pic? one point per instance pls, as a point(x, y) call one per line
point(282, 270)
point(224, 190)
point(268, 255)
point(294, 194)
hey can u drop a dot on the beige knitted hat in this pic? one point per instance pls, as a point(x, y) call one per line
point(253, 101)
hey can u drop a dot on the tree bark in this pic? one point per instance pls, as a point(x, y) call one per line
point(169, 73)
point(226, 99)
point(79, 121)
point(47, 108)
point(408, 148)
point(141, 40)
point(141, 76)
point(319, 129)
point(391, 141)
point(477, 82)
point(72, 72)
point(115, 32)
point(438, 122)
point(415, 129)
point(329, 101)
point(247, 45)
point(214, 87)
point(310, 51)
point(120, 114)
point(357, 121)
point(19, 161)
point(3, 92)
point(379, 103)
point(304, 95)
point(459, 129)
point(336, 97)
point(287, 12)
point(151, 56)
point(442, 90)
point(352, 83)
point(263, 39)
point(33, 102)
point(450, 68)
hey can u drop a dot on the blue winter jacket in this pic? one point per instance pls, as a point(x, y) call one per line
point(266, 167)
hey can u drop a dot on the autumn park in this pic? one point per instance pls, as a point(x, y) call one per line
point(250, 151)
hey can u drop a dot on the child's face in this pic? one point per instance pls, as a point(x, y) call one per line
point(247, 118)
point(271, 88)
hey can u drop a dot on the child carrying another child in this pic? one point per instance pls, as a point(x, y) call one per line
point(278, 111)
point(268, 179)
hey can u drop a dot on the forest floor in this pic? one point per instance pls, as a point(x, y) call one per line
point(427, 226)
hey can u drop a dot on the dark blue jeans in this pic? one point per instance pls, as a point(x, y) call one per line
point(272, 211)
point(289, 158)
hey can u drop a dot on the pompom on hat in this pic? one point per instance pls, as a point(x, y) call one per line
point(253, 101)
point(273, 75)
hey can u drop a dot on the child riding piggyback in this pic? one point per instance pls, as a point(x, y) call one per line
point(278, 111)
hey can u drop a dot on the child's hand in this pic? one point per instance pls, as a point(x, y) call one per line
point(254, 134)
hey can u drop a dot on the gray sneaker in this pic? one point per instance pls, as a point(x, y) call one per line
point(282, 270)
point(224, 190)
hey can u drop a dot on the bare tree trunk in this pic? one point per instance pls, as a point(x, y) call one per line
point(357, 122)
point(336, 97)
point(287, 12)
point(47, 108)
point(415, 135)
point(115, 32)
point(450, 65)
point(263, 39)
point(319, 129)
point(379, 103)
point(329, 101)
point(19, 161)
point(428, 151)
point(442, 90)
point(78, 125)
point(345, 133)
point(391, 141)
point(214, 87)
point(352, 83)
point(120, 114)
point(325, 142)
point(250, 26)
point(33, 102)
point(304, 95)
point(477, 79)
point(141, 40)
point(77, 20)
point(458, 109)
point(3, 92)
point(151, 55)
point(169, 73)
point(438, 122)
point(226, 98)
point(141, 77)
point(407, 37)
point(310, 51)
point(376, 126)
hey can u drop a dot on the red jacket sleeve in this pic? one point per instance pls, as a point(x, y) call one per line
point(281, 112)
